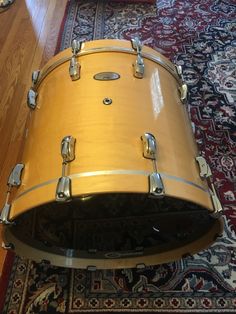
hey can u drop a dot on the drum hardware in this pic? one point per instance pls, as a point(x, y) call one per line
point(138, 66)
point(14, 180)
point(4, 4)
point(183, 89)
point(179, 70)
point(205, 173)
point(63, 190)
point(31, 99)
point(32, 94)
point(74, 68)
point(107, 101)
point(68, 148)
point(156, 187)
point(35, 77)
point(156, 59)
point(8, 246)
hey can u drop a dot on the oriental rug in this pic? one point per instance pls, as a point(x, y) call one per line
point(200, 36)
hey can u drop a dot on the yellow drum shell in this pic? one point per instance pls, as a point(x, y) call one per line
point(108, 154)
point(108, 146)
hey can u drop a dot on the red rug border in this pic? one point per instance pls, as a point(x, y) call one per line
point(4, 279)
point(59, 36)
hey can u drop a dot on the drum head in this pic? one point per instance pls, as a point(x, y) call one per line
point(113, 226)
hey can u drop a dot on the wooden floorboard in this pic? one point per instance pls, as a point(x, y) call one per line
point(28, 37)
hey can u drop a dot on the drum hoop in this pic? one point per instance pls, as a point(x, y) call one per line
point(145, 55)
point(113, 172)
point(137, 260)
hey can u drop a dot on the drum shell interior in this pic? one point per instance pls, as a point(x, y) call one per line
point(113, 231)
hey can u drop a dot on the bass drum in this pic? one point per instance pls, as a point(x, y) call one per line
point(110, 176)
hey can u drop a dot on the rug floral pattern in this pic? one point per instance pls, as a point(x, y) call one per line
point(200, 36)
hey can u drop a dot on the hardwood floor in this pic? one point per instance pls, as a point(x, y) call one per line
point(28, 37)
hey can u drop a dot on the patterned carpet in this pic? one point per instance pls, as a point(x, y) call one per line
point(200, 36)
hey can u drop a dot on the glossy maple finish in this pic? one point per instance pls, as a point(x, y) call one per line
point(108, 151)
point(28, 36)
point(108, 136)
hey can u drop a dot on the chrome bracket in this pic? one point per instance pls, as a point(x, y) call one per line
point(14, 180)
point(35, 77)
point(32, 94)
point(5, 214)
point(68, 148)
point(179, 70)
point(76, 46)
point(63, 193)
point(156, 186)
point(205, 170)
point(183, 88)
point(74, 68)
point(149, 146)
point(63, 190)
point(5, 4)
point(138, 65)
point(218, 209)
point(31, 99)
point(8, 246)
point(15, 176)
point(205, 173)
